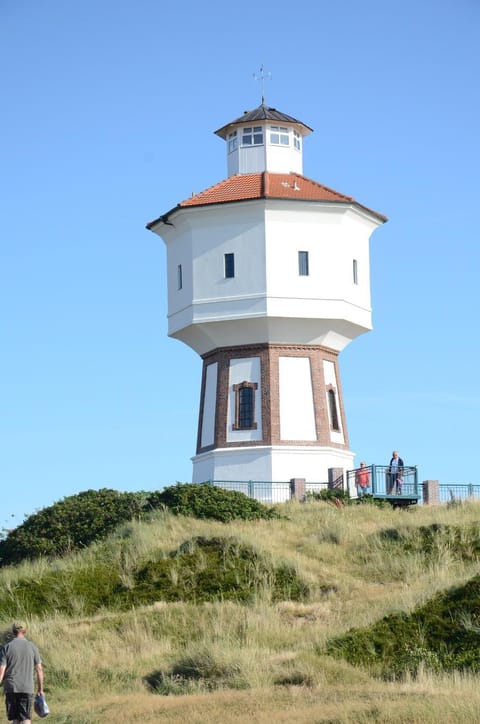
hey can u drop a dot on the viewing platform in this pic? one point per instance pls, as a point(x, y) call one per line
point(400, 488)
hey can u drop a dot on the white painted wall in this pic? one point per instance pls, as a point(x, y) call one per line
point(297, 413)
point(270, 463)
point(325, 307)
point(244, 370)
point(209, 405)
point(268, 156)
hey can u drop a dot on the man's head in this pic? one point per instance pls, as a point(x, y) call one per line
point(18, 627)
point(395, 454)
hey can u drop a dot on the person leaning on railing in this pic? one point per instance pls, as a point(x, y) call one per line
point(362, 480)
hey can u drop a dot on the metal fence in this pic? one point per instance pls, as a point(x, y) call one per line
point(385, 482)
point(452, 492)
point(381, 485)
point(265, 492)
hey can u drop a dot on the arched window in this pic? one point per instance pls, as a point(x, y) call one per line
point(245, 406)
point(332, 402)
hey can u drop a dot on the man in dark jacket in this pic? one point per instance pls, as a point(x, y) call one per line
point(18, 661)
point(395, 474)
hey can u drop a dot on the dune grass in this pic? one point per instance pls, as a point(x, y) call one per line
point(260, 659)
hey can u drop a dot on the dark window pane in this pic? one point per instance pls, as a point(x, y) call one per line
point(229, 266)
point(332, 401)
point(245, 407)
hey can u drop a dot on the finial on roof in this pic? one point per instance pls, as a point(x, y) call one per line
point(262, 75)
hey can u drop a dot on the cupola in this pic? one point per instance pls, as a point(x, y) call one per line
point(264, 140)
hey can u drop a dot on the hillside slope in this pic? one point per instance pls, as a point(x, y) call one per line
point(259, 645)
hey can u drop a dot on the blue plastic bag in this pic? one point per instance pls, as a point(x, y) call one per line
point(41, 707)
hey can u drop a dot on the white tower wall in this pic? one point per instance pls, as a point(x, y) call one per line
point(270, 333)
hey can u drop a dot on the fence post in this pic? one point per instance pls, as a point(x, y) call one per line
point(431, 492)
point(297, 489)
point(335, 479)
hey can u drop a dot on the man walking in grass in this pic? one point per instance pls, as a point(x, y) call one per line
point(18, 661)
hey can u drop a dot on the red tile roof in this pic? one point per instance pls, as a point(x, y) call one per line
point(266, 185)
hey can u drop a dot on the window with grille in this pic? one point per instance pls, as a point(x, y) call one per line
point(232, 141)
point(252, 136)
point(279, 136)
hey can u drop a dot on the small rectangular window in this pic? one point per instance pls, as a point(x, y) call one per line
point(179, 277)
point(332, 401)
point(245, 406)
point(355, 272)
point(279, 135)
point(303, 263)
point(232, 141)
point(229, 266)
point(252, 135)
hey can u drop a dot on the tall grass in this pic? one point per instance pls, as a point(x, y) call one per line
point(224, 661)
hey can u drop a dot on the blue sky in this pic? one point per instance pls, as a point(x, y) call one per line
point(107, 120)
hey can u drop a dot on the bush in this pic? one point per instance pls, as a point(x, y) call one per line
point(201, 569)
point(213, 569)
point(70, 524)
point(442, 635)
point(207, 501)
point(328, 494)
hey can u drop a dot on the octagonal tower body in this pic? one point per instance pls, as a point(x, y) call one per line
point(268, 280)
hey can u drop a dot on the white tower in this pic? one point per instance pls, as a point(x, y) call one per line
point(268, 280)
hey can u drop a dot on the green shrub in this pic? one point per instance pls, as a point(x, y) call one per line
point(328, 494)
point(70, 524)
point(213, 569)
point(201, 569)
point(442, 635)
point(207, 501)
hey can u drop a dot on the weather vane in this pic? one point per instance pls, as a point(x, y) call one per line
point(261, 76)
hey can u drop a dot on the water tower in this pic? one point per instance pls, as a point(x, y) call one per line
point(268, 280)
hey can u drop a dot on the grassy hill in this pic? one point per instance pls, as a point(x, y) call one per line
point(324, 614)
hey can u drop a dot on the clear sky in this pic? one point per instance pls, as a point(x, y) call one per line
point(108, 109)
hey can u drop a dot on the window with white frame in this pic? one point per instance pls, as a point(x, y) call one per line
point(279, 136)
point(297, 140)
point(232, 141)
point(252, 136)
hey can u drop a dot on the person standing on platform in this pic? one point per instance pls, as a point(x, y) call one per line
point(395, 473)
point(362, 480)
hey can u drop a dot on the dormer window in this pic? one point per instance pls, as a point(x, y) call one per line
point(296, 140)
point(232, 141)
point(279, 136)
point(252, 136)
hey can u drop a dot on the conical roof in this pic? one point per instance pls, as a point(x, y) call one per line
point(263, 113)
